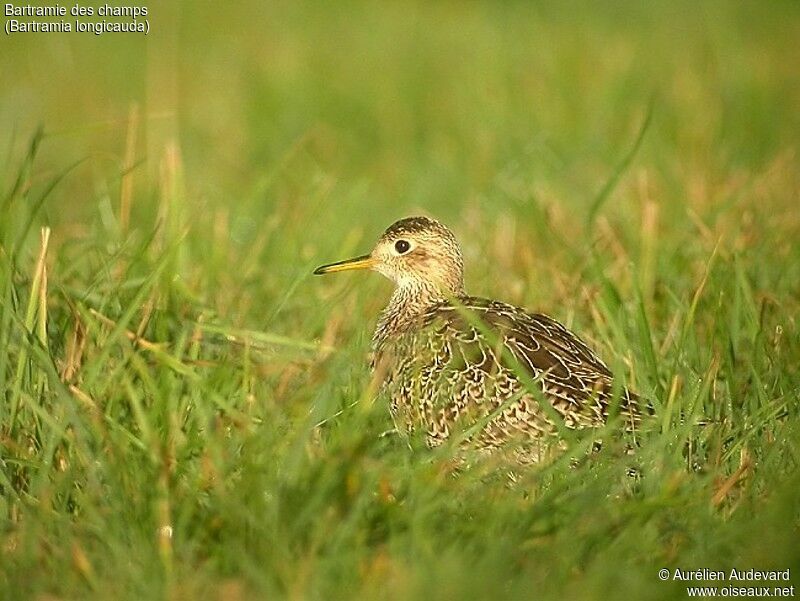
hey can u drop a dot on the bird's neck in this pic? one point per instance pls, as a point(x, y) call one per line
point(409, 301)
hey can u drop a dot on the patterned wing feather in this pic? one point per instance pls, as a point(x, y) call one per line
point(464, 359)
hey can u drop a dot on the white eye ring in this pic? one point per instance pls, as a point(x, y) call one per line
point(402, 247)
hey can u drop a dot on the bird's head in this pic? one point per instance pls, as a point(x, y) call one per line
point(413, 252)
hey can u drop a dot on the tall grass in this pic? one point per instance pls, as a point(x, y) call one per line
point(186, 413)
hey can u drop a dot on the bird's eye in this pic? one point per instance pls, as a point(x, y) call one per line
point(402, 246)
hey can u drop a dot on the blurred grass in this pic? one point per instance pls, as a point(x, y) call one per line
point(164, 374)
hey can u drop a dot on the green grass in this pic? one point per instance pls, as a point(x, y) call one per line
point(631, 170)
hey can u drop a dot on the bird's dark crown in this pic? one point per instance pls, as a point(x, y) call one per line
point(414, 225)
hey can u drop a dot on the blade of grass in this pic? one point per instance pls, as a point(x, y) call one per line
point(34, 301)
point(611, 183)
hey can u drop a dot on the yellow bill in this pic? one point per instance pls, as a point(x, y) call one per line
point(362, 262)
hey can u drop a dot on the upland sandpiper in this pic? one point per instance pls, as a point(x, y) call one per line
point(450, 363)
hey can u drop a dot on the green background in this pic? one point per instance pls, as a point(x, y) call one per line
point(629, 168)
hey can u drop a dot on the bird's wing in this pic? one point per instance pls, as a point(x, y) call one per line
point(566, 366)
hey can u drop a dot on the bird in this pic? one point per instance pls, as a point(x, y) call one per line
point(493, 375)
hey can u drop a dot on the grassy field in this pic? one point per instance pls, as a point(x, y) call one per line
point(185, 410)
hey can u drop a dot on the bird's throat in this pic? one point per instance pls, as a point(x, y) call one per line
point(408, 303)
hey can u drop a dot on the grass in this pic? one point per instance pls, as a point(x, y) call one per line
point(186, 412)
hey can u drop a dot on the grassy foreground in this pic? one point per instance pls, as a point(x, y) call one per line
point(185, 411)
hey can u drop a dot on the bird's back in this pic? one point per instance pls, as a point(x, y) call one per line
point(495, 374)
